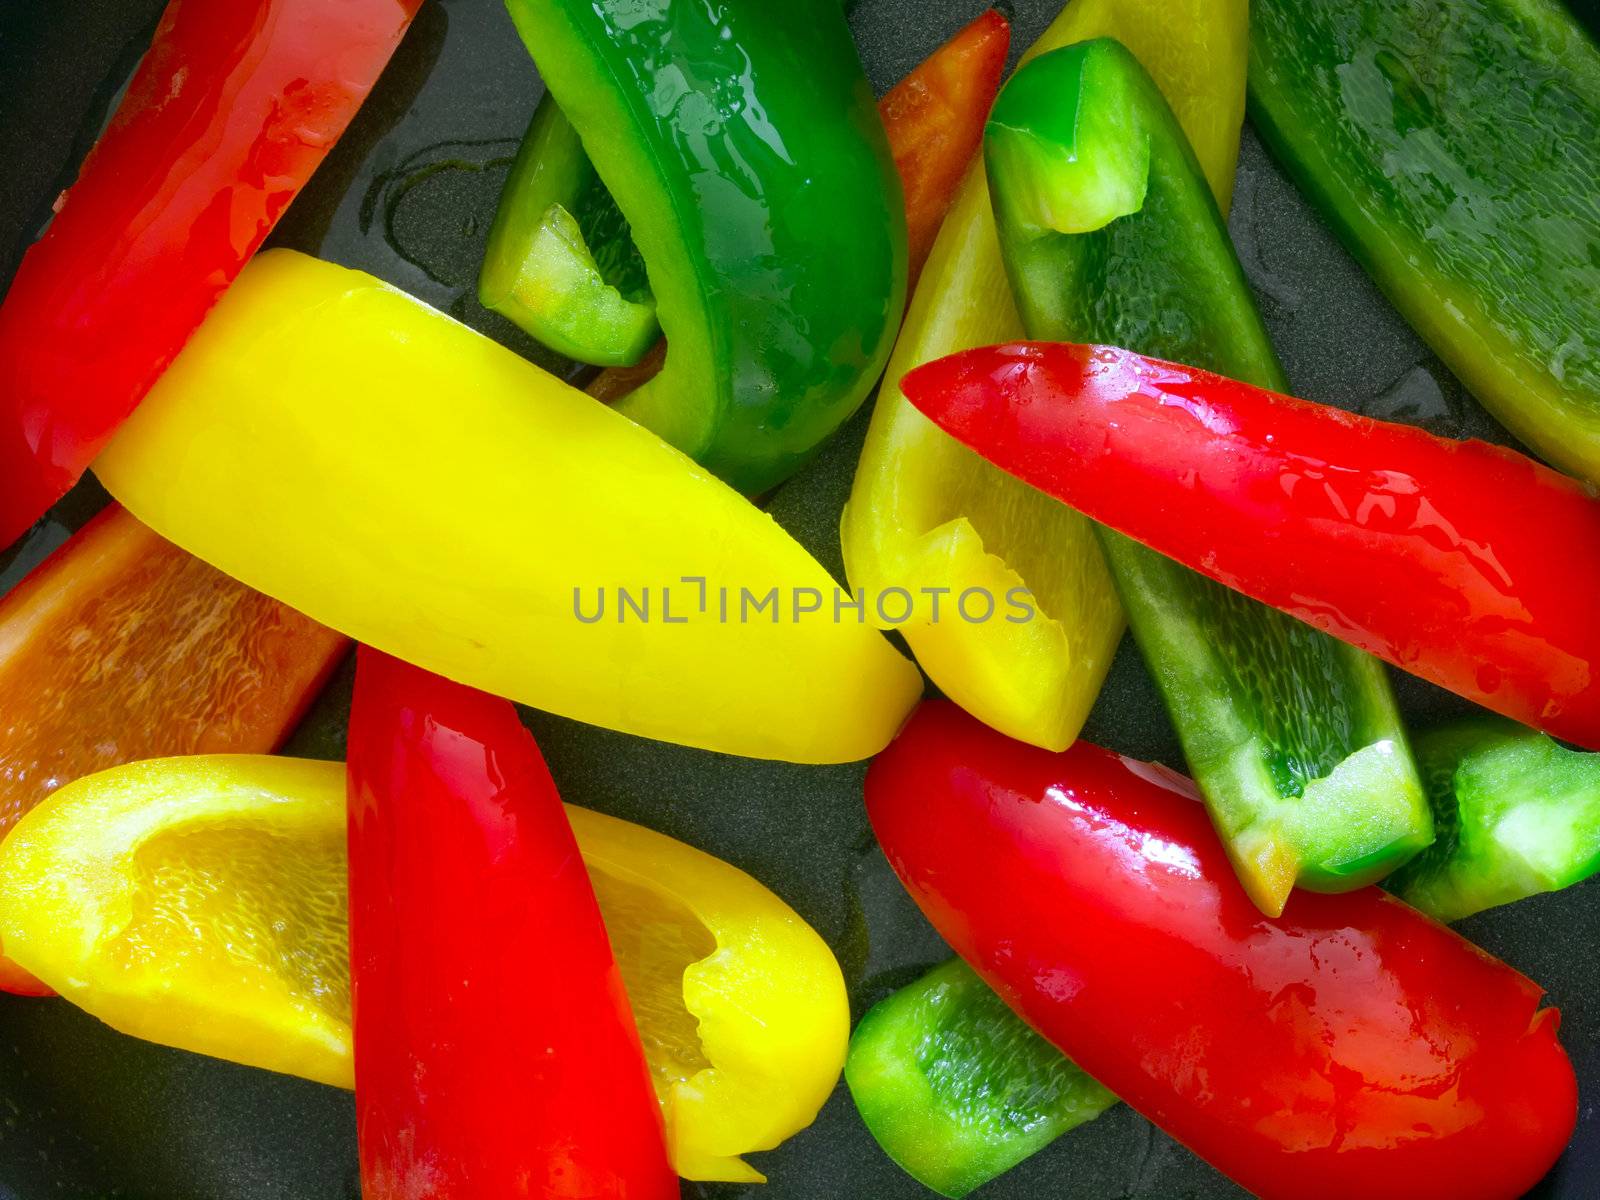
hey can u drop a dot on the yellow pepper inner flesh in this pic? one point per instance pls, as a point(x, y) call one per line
point(768, 1004)
point(236, 897)
point(656, 939)
point(927, 513)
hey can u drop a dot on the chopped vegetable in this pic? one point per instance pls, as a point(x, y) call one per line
point(1352, 1047)
point(495, 1051)
point(1517, 813)
point(741, 1006)
point(1104, 218)
point(1452, 144)
point(1464, 563)
point(934, 121)
point(927, 515)
point(484, 511)
point(1109, 235)
point(560, 260)
point(228, 115)
point(1195, 50)
point(956, 1088)
point(120, 646)
point(759, 189)
point(197, 902)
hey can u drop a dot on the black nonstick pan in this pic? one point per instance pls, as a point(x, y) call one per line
point(87, 1114)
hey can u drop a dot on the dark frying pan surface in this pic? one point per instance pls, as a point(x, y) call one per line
point(86, 1113)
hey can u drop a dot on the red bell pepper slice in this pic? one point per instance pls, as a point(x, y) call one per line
point(1352, 1047)
point(495, 1052)
point(229, 113)
point(1468, 564)
point(120, 646)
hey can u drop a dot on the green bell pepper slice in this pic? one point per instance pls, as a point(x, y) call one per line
point(955, 1088)
point(1455, 147)
point(1110, 234)
point(1518, 814)
point(561, 262)
point(743, 145)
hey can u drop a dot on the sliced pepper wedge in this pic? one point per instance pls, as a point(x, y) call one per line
point(742, 144)
point(495, 1049)
point(231, 110)
point(1518, 814)
point(956, 1088)
point(1453, 148)
point(741, 1003)
point(201, 902)
point(927, 515)
point(934, 121)
point(120, 646)
point(1468, 564)
point(548, 266)
point(387, 471)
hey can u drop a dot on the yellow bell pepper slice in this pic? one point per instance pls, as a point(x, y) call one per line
point(348, 450)
point(744, 975)
point(200, 902)
point(928, 515)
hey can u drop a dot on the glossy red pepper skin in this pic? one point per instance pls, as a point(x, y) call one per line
point(1468, 564)
point(227, 116)
point(495, 1052)
point(1352, 1047)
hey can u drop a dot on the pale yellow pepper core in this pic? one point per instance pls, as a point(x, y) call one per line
point(201, 902)
point(343, 447)
point(928, 515)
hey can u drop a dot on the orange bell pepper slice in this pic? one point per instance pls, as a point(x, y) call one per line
point(934, 118)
